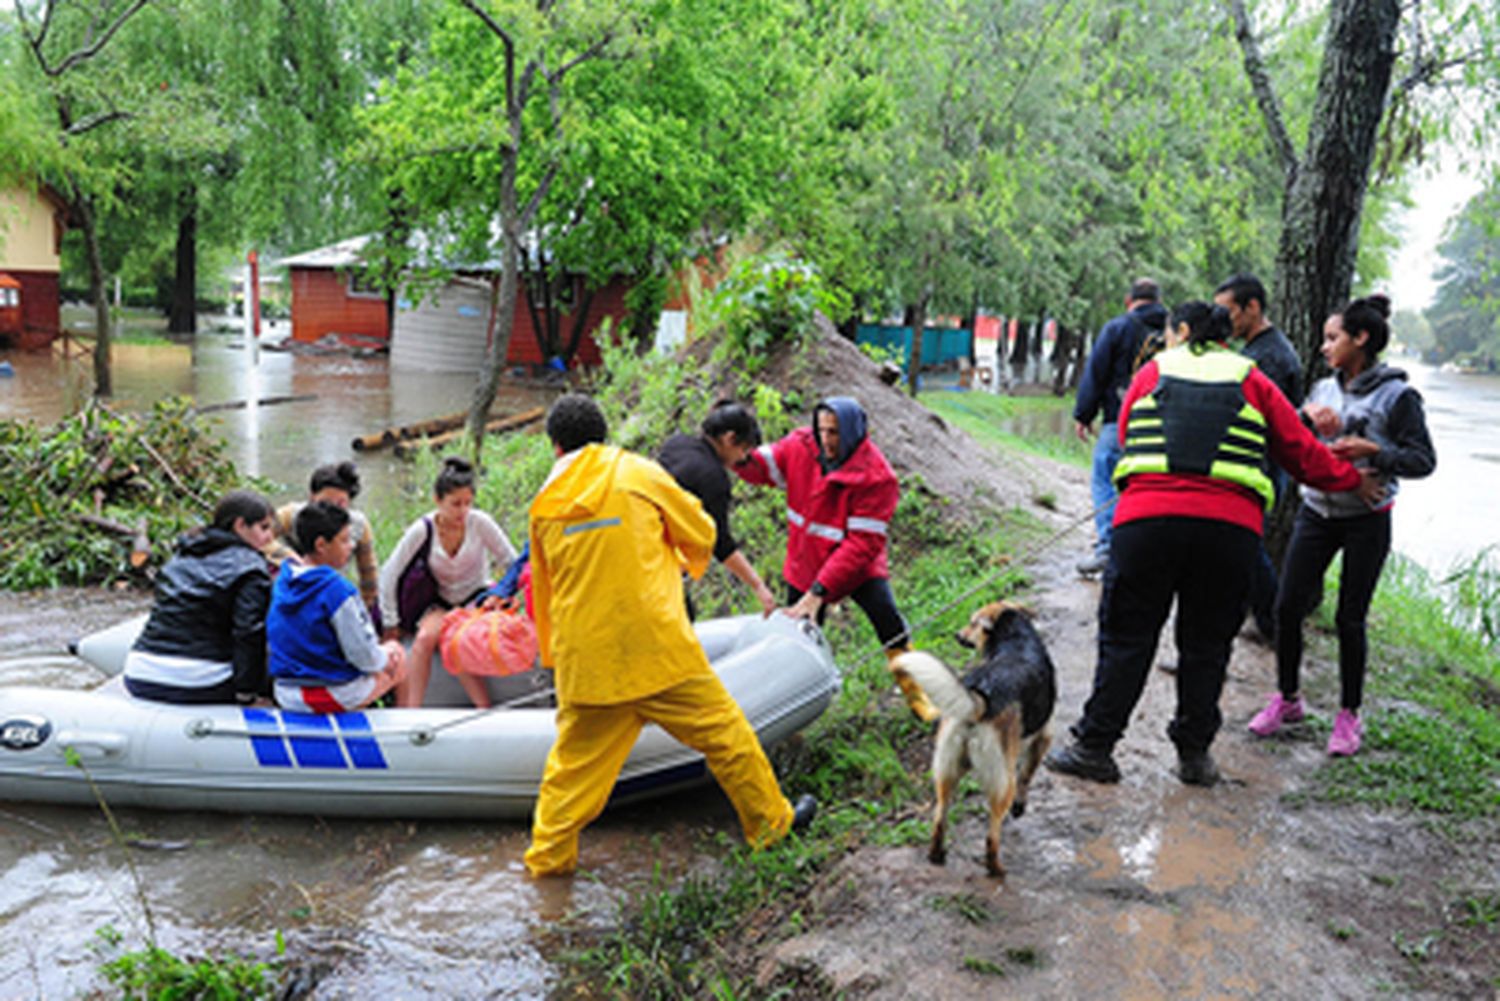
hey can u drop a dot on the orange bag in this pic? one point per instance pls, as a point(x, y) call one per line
point(497, 643)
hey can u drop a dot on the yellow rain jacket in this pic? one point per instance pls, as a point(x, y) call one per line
point(611, 533)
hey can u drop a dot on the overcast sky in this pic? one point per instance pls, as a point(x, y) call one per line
point(1439, 193)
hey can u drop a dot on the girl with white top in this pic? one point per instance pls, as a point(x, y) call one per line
point(461, 546)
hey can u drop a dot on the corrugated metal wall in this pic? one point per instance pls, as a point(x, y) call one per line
point(442, 333)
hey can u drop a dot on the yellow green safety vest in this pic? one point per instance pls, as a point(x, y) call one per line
point(1197, 420)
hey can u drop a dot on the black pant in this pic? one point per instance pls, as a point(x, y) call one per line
point(1263, 582)
point(1365, 541)
point(1206, 566)
point(875, 599)
point(218, 694)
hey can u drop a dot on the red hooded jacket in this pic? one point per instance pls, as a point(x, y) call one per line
point(836, 521)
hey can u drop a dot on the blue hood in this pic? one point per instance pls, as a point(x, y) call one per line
point(852, 428)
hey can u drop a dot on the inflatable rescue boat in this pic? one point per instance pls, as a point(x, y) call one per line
point(435, 761)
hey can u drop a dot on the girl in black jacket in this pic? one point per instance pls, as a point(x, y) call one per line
point(206, 638)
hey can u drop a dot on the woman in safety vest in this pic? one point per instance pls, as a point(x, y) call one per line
point(1199, 425)
point(1371, 416)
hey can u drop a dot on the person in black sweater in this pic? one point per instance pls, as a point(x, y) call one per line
point(700, 464)
point(205, 640)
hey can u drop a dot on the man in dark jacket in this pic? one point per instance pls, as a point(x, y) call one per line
point(700, 464)
point(1258, 339)
point(1105, 379)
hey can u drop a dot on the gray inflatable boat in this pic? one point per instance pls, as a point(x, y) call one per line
point(430, 762)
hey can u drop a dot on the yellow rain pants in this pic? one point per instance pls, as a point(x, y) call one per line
point(594, 741)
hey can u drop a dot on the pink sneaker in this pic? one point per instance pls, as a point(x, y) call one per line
point(1346, 732)
point(1277, 712)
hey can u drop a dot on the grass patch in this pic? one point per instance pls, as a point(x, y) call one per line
point(967, 906)
point(1040, 425)
point(1432, 704)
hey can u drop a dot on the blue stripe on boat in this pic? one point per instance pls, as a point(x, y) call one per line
point(320, 747)
point(270, 750)
point(364, 751)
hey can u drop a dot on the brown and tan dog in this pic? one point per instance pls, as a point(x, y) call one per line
point(994, 720)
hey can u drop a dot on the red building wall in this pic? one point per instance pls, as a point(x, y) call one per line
point(608, 301)
point(322, 304)
point(39, 307)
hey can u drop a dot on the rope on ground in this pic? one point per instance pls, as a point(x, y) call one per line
point(1010, 564)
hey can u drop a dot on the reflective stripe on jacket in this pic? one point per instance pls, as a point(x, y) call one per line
point(837, 522)
point(611, 533)
point(1197, 420)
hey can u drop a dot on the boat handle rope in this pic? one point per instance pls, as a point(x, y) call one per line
point(420, 735)
point(1010, 564)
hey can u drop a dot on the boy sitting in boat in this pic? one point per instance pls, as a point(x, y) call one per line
point(324, 654)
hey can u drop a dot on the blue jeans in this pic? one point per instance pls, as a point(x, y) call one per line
point(1107, 452)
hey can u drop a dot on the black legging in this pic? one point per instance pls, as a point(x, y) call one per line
point(875, 599)
point(1365, 541)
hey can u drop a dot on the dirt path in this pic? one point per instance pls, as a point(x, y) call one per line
point(1151, 888)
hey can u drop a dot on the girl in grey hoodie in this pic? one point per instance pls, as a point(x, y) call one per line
point(1370, 415)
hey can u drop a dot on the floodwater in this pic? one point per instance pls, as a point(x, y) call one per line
point(381, 908)
point(345, 397)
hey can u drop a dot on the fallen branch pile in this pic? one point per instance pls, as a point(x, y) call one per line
point(103, 496)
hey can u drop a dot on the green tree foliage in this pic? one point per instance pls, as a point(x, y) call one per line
point(576, 142)
point(1465, 316)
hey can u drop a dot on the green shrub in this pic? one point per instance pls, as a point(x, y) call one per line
point(768, 299)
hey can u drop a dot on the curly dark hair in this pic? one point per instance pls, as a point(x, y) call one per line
point(574, 421)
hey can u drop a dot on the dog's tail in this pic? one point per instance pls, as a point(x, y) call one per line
point(953, 700)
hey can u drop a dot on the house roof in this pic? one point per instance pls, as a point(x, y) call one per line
point(429, 250)
point(343, 254)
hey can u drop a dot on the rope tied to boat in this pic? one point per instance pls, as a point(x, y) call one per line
point(420, 734)
point(1010, 563)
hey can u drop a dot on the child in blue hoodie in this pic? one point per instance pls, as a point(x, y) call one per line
point(324, 655)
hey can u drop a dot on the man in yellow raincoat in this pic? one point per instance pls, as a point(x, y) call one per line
point(611, 532)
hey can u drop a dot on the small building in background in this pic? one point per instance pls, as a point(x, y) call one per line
point(448, 328)
point(329, 297)
point(32, 224)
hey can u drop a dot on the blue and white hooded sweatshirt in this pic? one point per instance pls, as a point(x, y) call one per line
point(318, 628)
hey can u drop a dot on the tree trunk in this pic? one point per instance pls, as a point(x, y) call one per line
point(505, 303)
point(1020, 352)
point(1061, 354)
point(1080, 358)
point(89, 224)
point(1326, 190)
point(917, 314)
point(583, 301)
point(183, 316)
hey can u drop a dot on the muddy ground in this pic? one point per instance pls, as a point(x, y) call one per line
point(1148, 888)
point(1151, 888)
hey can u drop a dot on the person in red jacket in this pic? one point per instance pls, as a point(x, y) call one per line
point(1200, 426)
point(840, 495)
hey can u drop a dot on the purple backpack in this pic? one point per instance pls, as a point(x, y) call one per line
point(416, 588)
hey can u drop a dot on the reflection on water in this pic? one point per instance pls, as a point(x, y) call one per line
point(1445, 519)
point(282, 442)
